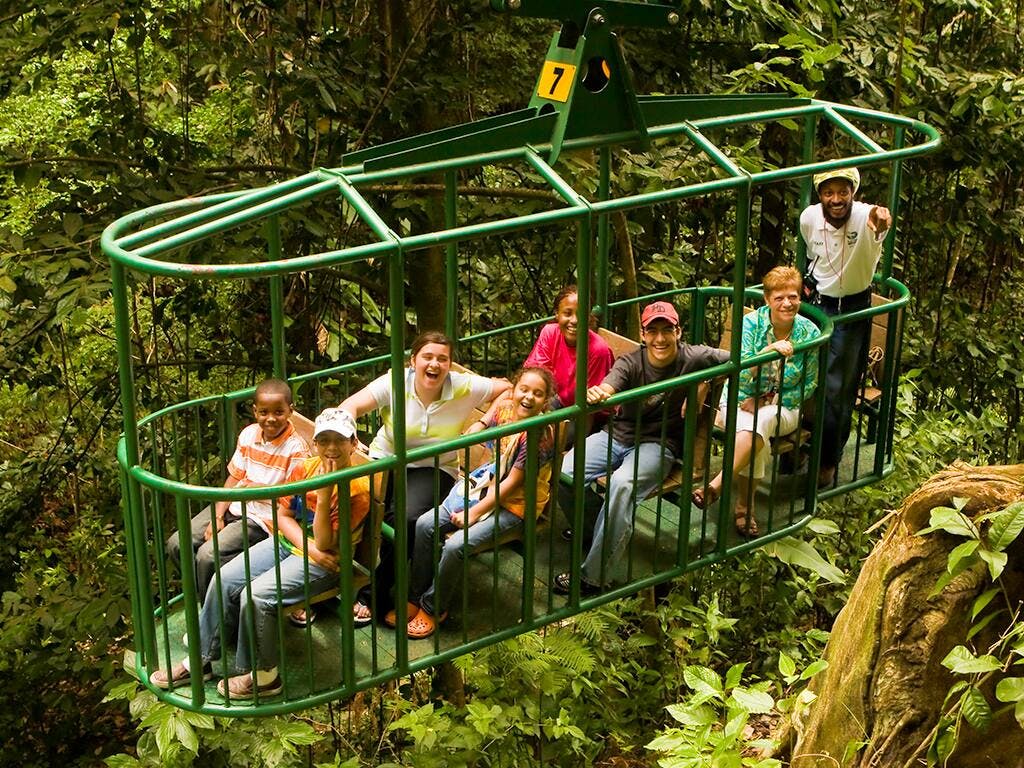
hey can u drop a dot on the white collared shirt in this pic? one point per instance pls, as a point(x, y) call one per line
point(844, 259)
point(427, 424)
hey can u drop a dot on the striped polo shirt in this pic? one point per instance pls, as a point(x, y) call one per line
point(428, 424)
point(264, 462)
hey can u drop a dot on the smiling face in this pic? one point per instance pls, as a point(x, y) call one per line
point(661, 339)
point(784, 302)
point(836, 196)
point(332, 445)
point(530, 394)
point(271, 411)
point(566, 318)
point(431, 365)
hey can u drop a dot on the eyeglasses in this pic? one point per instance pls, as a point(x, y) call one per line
point(661, 330)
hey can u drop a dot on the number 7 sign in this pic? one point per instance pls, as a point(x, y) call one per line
point(556, 81)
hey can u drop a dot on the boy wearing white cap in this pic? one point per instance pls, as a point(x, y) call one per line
point(844, 243)
point(280, 557)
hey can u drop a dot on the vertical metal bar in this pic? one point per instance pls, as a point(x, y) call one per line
point(806, 185)
point(895, 183)
point(583, 253)
point(396, 298)
point(530, 512)
point(188, 582)
point(451, 262)
point(740, 245)
point(136, 544)
point(345, 564)
point(276, 288)
point(603, 236)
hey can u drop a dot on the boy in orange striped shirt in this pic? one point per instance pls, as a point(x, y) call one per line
point(266, 453)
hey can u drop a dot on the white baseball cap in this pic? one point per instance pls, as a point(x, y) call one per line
point(334, 420)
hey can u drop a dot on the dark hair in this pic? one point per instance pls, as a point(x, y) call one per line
point(274, 387)
point(432, 337)
point(544, 373)
point(569, 290)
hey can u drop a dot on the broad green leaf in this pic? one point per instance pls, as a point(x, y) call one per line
point(7, 285)
point(822, 526)
point(787, 667)
point(814, 669)
point(961, 661)
point(734, 675)
point(803, 554)
point(952, 521)
point(941, 583)
point(121, 761)
point(976, 709)
point(1010, 689)
point(757, 702)
point(703, 681)
point(983, 600)
point(977, 627)
point(186, 735)
point(1005, 526)
point(960, 552)
point(996, 561)
point(688, 714)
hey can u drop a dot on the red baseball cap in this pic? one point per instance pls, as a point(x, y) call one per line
point(659, 310)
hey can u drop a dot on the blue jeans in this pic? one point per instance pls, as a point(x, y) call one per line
point(263, 608)
point(435, 595)
point(615, 520)
point(847, 359)
point(229, 543)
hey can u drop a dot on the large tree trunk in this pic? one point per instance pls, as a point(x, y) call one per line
point(885, 684)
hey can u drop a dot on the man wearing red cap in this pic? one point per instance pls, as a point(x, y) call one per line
point(844, 242)
point(633, 439)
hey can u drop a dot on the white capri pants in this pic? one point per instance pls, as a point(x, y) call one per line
point(772, 421)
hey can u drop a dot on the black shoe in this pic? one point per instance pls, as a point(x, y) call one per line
point(563, 581)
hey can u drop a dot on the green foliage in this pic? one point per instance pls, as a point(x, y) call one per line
point(987, 537)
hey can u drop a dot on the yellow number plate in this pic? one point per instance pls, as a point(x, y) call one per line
point(556, 81)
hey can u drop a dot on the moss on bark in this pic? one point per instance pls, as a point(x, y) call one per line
point(885, 684)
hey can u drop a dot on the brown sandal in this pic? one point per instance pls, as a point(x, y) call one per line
point(702, 497)
point(746, 523)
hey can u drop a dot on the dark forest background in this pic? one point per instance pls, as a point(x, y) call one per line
point(109, 107)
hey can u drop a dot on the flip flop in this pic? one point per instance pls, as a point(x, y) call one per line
point(702, 499)
point(308, 616)
point(391, 617)
point(361, 621)
point(424, 625)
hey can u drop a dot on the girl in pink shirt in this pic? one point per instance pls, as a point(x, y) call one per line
point(556, 348)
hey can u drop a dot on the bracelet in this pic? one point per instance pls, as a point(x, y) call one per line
point(481, 421)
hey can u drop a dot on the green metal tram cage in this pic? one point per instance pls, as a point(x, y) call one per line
point(172, 457)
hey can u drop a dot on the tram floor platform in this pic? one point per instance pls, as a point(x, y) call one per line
point(493, 598)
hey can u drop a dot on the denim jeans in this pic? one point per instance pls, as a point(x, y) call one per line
point(435, 595)
point(229, 544)
point(419, 502)
point(650, 462)
point(847, 359)
point(240, 615)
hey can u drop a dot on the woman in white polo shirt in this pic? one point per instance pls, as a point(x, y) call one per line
point(437, 403)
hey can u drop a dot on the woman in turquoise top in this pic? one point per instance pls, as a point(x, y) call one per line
point(770, 396)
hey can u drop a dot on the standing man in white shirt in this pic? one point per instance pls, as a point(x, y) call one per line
point(844, 243)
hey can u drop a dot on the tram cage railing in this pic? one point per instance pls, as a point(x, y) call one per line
point(148, 494)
